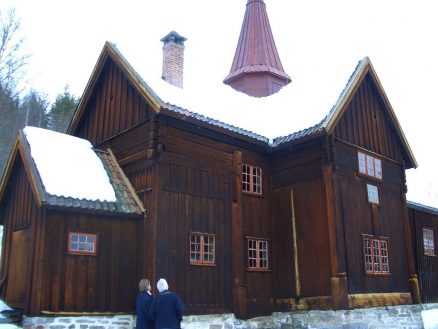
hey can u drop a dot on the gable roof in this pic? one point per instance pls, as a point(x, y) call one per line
point(126, 202)
point(328, 124)
point(325, 126)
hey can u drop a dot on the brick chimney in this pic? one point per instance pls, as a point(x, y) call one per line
point(173, 59)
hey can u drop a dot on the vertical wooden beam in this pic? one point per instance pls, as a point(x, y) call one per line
point(339, 285)
point(294, 237)
point(237, 243)
point(413, 279)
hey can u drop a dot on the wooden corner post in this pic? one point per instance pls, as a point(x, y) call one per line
point(237, 243)
point(339, 283)
point(413, 279)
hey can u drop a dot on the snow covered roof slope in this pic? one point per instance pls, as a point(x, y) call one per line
point(68, 166)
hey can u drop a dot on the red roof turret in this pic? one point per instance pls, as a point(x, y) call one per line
point(257, 69)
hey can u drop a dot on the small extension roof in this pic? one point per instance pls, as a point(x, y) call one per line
point(125, 199)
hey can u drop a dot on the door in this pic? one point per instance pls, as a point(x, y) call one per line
point(19, 261)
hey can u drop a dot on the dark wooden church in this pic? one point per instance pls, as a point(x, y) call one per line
point(314, 220)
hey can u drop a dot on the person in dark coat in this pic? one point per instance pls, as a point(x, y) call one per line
point(167, 309)
point(143, 304)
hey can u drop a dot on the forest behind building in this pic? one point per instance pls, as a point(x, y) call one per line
point(19, 106)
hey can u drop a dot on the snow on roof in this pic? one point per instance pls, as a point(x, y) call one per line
point(302, 104)
point(68, 166)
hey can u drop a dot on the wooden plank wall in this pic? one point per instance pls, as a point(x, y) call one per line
point(195, 187)
point(103, 283)
point(258, 223)
point(426, 266)
point(20, 216)
point(366, 124)
point(297, 173)
point(384, 220)
point(114, 107)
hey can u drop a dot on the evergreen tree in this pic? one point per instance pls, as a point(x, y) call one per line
point(61, 112)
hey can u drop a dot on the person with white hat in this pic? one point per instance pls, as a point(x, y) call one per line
point(166, 309)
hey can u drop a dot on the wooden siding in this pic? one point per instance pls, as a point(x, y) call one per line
point(426, 267)
point(114, 107)
point(297, 174)
point(384, 220)
point(365, 123)
point(106, 282)
point(258, 223)
point(194, 200)
point(312, 238)
point(21, 217)
point(297, 163)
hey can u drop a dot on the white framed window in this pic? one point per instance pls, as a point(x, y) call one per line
point(373, 194)
point(251, 179)
point(202, 249)
point(428, 242)
point(369, 165)
point(376, 256)
point(80, 243)
point(258, 254)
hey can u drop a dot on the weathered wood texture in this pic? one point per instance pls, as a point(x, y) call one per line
point(383, 220)
point(21, 216)
point(106, 282)
point(426, 266)
point(115, 106)
point(194, 200)
point(365, 123)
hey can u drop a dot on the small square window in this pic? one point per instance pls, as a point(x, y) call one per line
point(82, 243)
point(251, 179)
point(373, 194)
point(202, 249)
point(258, 258)
point(428, 242)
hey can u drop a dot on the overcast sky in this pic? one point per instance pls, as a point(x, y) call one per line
point(319, 42)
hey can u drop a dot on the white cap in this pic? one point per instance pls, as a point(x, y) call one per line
point(162, 285)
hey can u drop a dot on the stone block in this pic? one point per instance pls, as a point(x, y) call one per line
point(355, 326)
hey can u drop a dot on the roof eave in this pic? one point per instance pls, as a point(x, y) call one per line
point(21, 147)
point(360, 73)
point(109, 50)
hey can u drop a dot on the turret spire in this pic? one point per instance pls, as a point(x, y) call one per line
point(256, 69)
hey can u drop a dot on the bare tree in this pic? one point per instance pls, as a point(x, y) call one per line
point(12, 59)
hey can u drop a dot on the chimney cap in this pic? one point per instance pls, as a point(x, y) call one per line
point(173, 37)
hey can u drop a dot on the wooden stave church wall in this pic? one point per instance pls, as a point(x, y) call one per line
point(426, 267)
point(21, 215)
point(106, 282)
point(114, 107)
point(384, 220)
point(297, 174)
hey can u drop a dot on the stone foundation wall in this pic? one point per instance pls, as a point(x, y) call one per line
point(392, 317)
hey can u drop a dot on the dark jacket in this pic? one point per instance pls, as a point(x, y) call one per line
point(166, 310)
point(142, 305)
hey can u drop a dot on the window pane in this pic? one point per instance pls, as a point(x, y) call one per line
point(370, 166)
point(378, 167)
point(82, 243)
point(362, 163)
